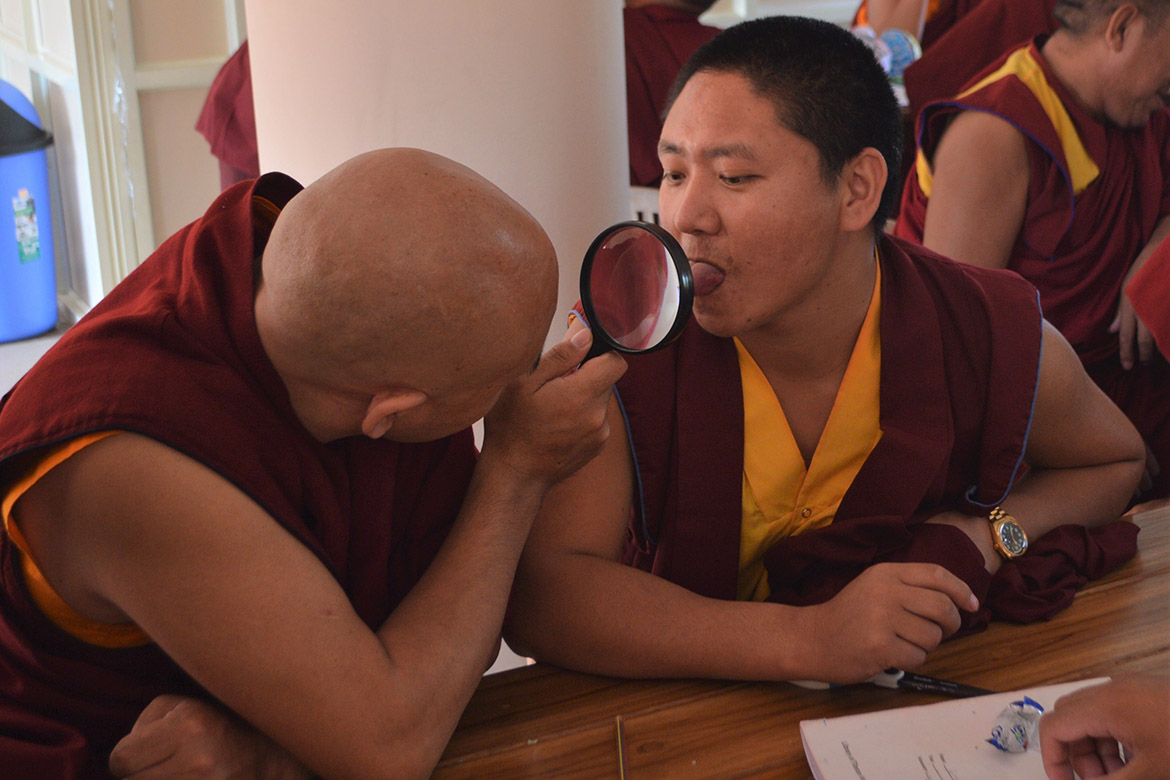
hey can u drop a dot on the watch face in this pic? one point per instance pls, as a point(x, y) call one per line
point(1013, 538)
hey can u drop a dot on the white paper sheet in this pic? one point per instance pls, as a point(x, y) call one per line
point(944, 741)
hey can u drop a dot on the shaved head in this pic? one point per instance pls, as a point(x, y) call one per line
point(401, 269)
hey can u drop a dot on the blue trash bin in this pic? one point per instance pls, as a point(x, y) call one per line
point(28, 280)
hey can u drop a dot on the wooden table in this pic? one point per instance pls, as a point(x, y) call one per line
point(544, 722)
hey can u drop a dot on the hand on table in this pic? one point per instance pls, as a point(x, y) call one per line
point(891, 616)
point(180, 738)
point(1082, 731)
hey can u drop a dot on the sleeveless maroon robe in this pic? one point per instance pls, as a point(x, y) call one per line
point(173, 353)
point(960, 359)
point(1077, 249)
point(658, 41)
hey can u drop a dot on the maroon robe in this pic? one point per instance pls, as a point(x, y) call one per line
point(228, 120)
point(658, 41)
point(1077, 249)
point(1149, 292)
point(173, 353)
point(970, 42)
point(960, 358)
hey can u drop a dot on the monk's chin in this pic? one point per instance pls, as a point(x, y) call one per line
point(717, 325)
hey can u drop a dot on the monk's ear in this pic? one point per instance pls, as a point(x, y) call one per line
point(862, 180)
point(1119, 27)
point(385, 407)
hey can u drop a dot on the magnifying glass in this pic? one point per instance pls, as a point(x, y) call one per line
point(636, 289)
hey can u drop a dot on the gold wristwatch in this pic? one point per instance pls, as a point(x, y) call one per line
point(1007, 535)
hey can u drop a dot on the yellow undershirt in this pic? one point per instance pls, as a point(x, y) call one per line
point(1081, 168)
point(781, 497)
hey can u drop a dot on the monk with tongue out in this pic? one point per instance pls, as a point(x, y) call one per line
point(857, 448)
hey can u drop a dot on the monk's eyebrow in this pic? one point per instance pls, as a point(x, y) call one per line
point(740, 151)
point(737, 150)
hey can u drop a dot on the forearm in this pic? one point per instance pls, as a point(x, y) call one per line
point(599, 616)
point(1087, 496)
point(907, 15)
point(442, 637)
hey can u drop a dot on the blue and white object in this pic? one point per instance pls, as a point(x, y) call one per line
point(28, 280)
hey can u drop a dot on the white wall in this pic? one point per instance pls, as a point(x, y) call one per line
point(530, 93)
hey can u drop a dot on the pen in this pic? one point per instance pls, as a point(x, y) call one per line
point(908, 681)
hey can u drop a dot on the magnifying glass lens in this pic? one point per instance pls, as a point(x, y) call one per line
point(634, 287)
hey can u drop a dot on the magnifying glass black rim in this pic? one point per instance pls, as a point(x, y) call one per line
point(686, 285)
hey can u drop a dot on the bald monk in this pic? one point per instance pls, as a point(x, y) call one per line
point(1056, 164)
point(818, 470)
point(245, 481)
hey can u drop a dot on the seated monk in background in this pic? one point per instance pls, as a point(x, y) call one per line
point(659, 36)
point(1056, 165)
point(245, 482)
point(819, 465)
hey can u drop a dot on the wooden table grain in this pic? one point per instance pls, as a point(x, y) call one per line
point(543, 722)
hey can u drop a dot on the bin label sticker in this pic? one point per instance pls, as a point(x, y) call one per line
point(28, 238)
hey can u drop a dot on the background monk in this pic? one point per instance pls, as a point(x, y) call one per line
point(246, 476)
point(660, 35)
point(1056, 164)
point(840, 418)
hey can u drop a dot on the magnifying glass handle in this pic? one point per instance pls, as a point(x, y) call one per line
point(598, 347)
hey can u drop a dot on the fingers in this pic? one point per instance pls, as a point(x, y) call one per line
point(1125, 335)
point(1080, 734)
point(145, 745)
point(1145, 343)
point(934, 577)
point(1082, 757)
point(604, 370)
point(563, 357)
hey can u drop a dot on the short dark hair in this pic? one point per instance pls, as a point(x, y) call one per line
point(1080, 16)
point(825, 84)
